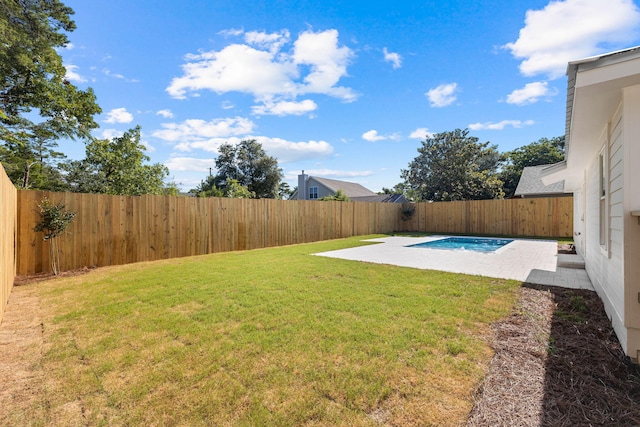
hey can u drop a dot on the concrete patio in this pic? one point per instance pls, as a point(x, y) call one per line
point(530, 261)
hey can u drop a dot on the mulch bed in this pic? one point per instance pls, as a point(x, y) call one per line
point(558, 363)
point(41, 277)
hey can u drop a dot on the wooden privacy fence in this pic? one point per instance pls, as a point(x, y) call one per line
point(8, 209)
point(535, 217)
point(113, 230)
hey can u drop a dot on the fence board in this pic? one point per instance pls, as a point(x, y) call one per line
point(8, 230)
point(539, 217)
point(111, 230)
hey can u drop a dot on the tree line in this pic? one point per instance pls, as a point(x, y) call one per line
point(39, 107)
point(456, 166)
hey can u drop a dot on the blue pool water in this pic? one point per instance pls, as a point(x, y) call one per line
point(465, 243)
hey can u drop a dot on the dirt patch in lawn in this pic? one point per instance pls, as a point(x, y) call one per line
point(23, 386)
point(557, 362)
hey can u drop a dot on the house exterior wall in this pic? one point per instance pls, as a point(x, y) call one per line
point(604, 262)
point(614, 268)
point(631, 202)
point(579, 218)
point(323, 191)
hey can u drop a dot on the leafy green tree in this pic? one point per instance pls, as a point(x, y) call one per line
point(248, 163)
point(235, 190)
point(34, 165)
point(207, 188)
point(339, 196)
point(116, 167)
point(542, 152)
point(37, 104)
point(284, 191)
point(232, 189)
point(171, 189)
point(454, 166)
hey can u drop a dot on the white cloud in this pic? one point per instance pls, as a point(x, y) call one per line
point(196, 130)
point(500, 125)
point(285, 151)
point(108, 72)
point(570, 30)
point(394, 58)
point(530, 93)
point(189, 164)
point(119, 115)
point(110, 134)
point(72, 75)
point(119, 76)
point(69, 46)
point(167, 114)
point(238, 68)
point(372, 135)
point(272, 42)
point(290, 151)
point(442, 95)
point(327, 173)
point(327, 61)
point(284, 108)
point(272, 74)
point(232, 32)
point(421, 133)
point(195, 134)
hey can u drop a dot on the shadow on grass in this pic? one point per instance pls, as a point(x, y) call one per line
point(588, 378)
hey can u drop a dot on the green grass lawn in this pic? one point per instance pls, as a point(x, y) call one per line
point(270, 337)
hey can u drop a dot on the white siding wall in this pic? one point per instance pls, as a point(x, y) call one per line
point(578, 197)
point(604, 265)
point(631, 263)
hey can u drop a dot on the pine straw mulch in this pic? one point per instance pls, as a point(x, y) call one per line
point(558, 362)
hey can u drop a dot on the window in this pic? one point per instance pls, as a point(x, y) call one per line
point(313, 193)
point(602, 160)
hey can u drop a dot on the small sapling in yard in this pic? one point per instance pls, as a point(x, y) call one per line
point(54, 220)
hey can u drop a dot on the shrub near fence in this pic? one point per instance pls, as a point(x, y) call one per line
point(113, 230)
point(8, 208)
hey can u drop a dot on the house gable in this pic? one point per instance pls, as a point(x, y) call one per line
point(324, 187)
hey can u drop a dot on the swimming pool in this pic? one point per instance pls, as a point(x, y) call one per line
point(476, 244)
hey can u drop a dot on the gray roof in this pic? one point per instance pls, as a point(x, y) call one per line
point(382, 198)
point(588, 63)
point(531, 184)
point(351, 189)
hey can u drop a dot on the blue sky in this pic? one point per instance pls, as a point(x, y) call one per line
point(342, 89)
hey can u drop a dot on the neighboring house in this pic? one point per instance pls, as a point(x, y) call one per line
point(602, 169)
point(531, 185)
point(382, 198)
point(314, 188)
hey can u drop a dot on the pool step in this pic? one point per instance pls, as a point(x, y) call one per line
point(570, 261)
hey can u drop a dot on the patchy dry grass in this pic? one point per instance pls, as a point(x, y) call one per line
point(266, 337)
